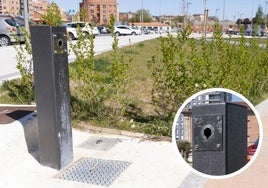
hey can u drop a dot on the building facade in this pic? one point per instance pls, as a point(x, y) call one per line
point(99, 11)
point(36, 8)
point(10, 7)
point(126, 16)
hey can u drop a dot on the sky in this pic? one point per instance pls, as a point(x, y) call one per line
point(234, 9)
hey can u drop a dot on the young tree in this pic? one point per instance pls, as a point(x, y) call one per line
point(259, 16)
point(146, 16)
point(82, 14)
point(53, 15)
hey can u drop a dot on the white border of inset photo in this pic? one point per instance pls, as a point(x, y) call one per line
point(259, 124)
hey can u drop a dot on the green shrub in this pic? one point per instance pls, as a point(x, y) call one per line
point(22, 90)
point(186, 66)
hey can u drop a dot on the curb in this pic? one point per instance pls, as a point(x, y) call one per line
point(86, 127)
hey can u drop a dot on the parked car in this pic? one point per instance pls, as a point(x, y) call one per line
point(232, 32)
point(146, 31)
point(20, 20)
point(10, 30)
point(261, 34)
point(71, 32)
point(255, 33)
point(252, 149)
point(86, 28)
point(126, 30)
point(103, 30)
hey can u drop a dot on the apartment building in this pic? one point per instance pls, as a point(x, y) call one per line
point(16, 7)
point(10, 7)
point(99, 11)
point(36, 8)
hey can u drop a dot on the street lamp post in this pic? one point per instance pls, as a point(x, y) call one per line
point(205, 19)
point(141, 12)
point(217, 13)
point(265, 16)
point(240, 19)
point(223, 11)
point(26, 15)
point(187, 8)
point(252, 12)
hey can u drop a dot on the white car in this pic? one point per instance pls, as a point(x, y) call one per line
point(71, 33)
point(86, 28)
point(125, 30)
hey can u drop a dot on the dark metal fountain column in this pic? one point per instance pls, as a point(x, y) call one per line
point(219, 138)
point(51, 77)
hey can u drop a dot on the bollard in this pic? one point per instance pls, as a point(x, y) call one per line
point(219, 138)
point(51, 78)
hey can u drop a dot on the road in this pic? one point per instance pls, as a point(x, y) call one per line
point(102, 44)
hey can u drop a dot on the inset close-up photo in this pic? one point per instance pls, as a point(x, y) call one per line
point(216, 132)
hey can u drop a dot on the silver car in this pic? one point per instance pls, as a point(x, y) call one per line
point(86, 28)
point(9, 30)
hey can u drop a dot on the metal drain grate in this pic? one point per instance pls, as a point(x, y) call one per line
point(100, 143)
point(95, 171)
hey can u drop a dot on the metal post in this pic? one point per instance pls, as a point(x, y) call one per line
point(187, 9)
point(205, 23)
point(205, 20)
point(219, 138)
point(240, 17)
point(217, 13)
point(184, 14)
point(252, 12)
point(26, 15)
point(51, 77)
point(142, 15)
point(265, 16)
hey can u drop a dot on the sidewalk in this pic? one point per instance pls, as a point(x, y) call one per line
point(153, 164)
point(256, 174)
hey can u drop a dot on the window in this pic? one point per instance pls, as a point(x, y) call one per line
point(13, 23)
point(81, 24)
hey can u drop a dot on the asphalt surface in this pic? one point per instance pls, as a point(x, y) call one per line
point(102, 44)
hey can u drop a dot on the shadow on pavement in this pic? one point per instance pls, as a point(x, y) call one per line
point(30, 128)
point(8, 114)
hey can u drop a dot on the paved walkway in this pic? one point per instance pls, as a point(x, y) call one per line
point(256, 175)
point(153, 164)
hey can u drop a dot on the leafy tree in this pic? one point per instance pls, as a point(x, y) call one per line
point(82, 14)
point(259, 16)
point(120, 75)
point(179, 19)
point(53, 15)
point(146, 16)
point(22, 90)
